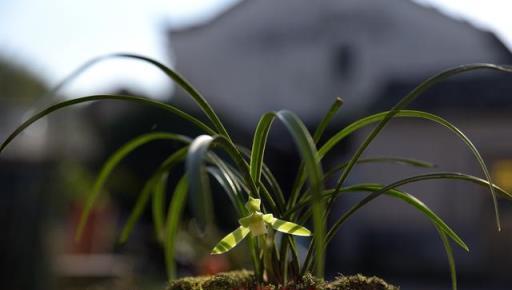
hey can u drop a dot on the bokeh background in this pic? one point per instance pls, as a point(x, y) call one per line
point(250, 57)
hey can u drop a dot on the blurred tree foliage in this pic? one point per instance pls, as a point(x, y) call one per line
point(18, 84)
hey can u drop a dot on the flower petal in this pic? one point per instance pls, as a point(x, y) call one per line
point(290, 228)
point(269, 218)
point(230, 241)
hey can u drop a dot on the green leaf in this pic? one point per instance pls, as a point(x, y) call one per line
point(384, 159)
point(230, 241)
point(327, 119)
point(200, 197)
point(145, 194)
point(269, 183)
point(420, 206)
point(351, 128)
point(259, 142)
point(390, 190)
point(375, 194)
point(404, 102)
point(138, 100)
point(300, 179)
point(229, 185)
point(111, 164)
point(174, 214)
point(404, 113)
point(198, 179)
point(307, 149)
point(422, 177)
point(449, 255)
point(158, 209)
point(177, 78)
point(351, 211)
point(196, 96)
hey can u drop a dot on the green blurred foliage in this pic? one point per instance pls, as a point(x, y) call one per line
point(18, 84)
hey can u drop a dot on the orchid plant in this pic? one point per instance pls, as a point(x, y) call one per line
point(256, 224)
point(246, 179)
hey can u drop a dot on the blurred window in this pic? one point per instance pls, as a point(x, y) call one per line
point(344, 61)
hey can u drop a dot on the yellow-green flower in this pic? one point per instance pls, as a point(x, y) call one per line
point(256, 223)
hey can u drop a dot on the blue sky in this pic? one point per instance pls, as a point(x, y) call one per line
point(55, 36)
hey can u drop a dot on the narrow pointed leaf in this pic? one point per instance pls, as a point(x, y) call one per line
point(158, 208)
point(404, 102)
point(200, 197)
point(384, 159)
point(390, 189)
point(144, 196)
point(449, 256)
point(180, 80)
point(413, 179)
point(269, 180)
point(307, 149)
point(258, 145)
point(327, 119)
point(68, 103)
point(299, 179)
point(229, 187)
point(177, 78)
point(364, 122)
point(176, 207)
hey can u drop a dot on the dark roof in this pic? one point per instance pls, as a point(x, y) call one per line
point(217, 18)
point(482, 91)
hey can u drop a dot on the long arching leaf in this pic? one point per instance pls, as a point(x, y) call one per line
point(177, 78)
point(447, 175)
point(68, 103)
point(173, 220)
point(404, 102)
point(401, 114)
point(200, 197)
point(158, 207)
point(422, 177)
point(307, 149)
point(268, 179)
point(449, 256)
point(229, 185)
point(420, 206)
point(259, 142)
point(326, 120)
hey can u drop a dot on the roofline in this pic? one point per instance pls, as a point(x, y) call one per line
point(212, 20)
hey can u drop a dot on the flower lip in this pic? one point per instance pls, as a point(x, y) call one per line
point(258, 228)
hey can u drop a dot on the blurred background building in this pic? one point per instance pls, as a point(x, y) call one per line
point(250, 57)
point(257, 57)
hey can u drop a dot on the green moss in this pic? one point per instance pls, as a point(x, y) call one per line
point(188, 283)
point(229, 280)
point(244, 280)
point(309, 282)
point(359, 282)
